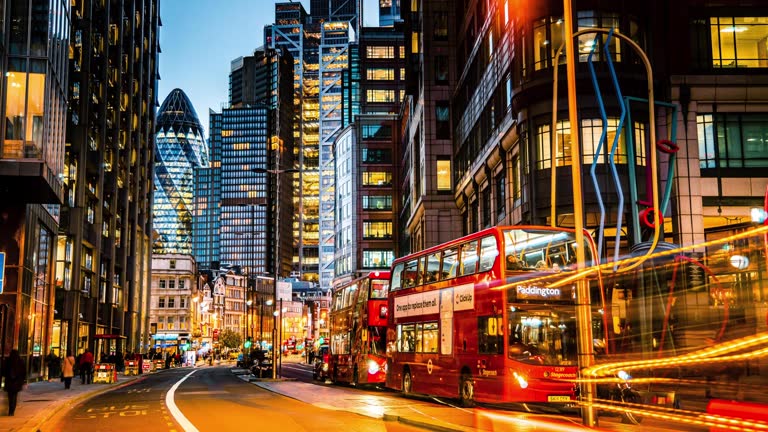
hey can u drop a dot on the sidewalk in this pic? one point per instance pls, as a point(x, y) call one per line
point(43, 399)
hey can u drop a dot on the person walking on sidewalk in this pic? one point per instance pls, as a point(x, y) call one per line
point(68, 369)
point(86, 367)
point(15, 374)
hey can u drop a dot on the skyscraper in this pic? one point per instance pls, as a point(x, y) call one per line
point(179, 148)
point(104, 245)
point(237, 199)
point(334, 59)
point(33, 50)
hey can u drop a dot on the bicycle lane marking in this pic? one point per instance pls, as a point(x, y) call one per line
point(174, 410)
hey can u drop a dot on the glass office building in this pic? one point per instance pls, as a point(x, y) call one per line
point(179, 148)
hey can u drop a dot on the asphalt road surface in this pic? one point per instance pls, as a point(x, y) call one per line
point(209, 399)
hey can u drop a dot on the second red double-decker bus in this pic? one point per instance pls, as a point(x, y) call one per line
point(358, 326)
point(482, 318)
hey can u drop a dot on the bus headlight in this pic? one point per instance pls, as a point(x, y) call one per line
point(325, 367)
point(373, 367)
point(521, 380)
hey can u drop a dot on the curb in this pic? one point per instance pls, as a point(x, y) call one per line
point(421, 424)
point(56, 409)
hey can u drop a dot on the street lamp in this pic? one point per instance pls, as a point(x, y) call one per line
point(276, 216)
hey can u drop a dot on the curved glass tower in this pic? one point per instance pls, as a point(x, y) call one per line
point(179, 148)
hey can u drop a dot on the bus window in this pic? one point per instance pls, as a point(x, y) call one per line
point(379, 289)
point(363, 296)
point(397, 274)
point(542, 337)
point(433, 268)
point(377, 340)
point(449, 264)
point(421, 275)
point(409, 275)
point(468, 258)
point(490, 331)
point(406, 341)
point(488, 253)
point(426, 339)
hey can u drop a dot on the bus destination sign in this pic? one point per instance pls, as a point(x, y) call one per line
point(538, 293)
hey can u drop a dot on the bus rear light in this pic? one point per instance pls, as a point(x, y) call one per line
point(521, 380)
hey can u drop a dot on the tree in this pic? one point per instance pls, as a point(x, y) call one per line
point(230, 339)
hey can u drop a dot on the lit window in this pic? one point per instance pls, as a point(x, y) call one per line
point(739, 42)
point(379, 74)
point(377, 178)
point(444, 175)
point(733, 140)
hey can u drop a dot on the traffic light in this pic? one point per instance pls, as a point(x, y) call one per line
point(247, 343)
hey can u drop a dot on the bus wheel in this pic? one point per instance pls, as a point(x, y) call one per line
point(407, 383)
point(467, 390)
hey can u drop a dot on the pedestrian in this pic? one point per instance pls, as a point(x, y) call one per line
point(15, 374)
point(86, 367)
point(68, 369)
point(54, 365)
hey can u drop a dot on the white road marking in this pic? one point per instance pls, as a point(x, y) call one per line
point(186, 425)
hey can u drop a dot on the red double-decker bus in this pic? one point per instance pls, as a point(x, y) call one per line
point(482, 318)
point(358, 326)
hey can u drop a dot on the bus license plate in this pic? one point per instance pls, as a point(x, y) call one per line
point(558, 398)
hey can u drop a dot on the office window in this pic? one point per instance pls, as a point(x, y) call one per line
point(181, 284)
point(371, 202)
point(161, 302)
point(733, 140)
point(380, 74)
point(442, 120)
point(376, 155)
point(739, 42)
point(380, 52)
point(444, 175)
point(441, 69)
point(171, 302)
point(440, 26)
point(378, 95)
point(373, 258)
point(377, 178)
point(171, 283)
point(161, 283)
point(544, 146)
point(172, 264)
point(377, 230)
point(377, 132)
point(501, 195)
point(486, 195)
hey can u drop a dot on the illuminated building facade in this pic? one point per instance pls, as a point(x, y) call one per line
point(171, 309)
point(428, 213)
point(34, 48)
point(238, 201)
point(179, 149)
point(294, 32)
point(334, 60)
point(104, 252)
point(366, 169)
point(709, 74)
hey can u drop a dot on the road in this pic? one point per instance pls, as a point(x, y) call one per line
point(216, 399)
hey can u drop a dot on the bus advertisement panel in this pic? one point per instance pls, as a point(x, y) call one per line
point(358, 325)
point(482, 319)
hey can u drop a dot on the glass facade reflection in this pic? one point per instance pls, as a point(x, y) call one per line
point(179, 148)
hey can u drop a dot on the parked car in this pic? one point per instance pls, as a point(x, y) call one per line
point(321, 366)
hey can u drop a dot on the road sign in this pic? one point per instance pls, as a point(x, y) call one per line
point(2, 270)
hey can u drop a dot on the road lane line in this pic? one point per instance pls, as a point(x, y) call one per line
point(175, 412)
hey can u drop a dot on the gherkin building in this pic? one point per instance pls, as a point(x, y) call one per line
point(179, 148)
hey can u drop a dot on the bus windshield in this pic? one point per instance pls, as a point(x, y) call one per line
point(542, 336)
point(541, 250)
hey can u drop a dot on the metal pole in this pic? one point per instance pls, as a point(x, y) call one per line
point(583, 303)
